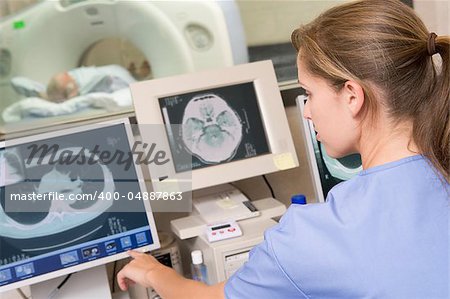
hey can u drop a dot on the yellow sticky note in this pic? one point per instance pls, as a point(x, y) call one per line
point(284, 161)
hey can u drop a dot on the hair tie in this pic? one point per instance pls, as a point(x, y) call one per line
point(431, 44)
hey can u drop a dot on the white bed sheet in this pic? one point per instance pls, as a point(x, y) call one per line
point(34, 107)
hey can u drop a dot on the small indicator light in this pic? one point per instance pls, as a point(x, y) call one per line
point(19, 24)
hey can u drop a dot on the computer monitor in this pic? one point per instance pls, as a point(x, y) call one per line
point(69, 202)
point(326, 171)
point(218, 126)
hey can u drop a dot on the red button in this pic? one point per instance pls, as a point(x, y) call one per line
point(214, 233)
point(231, 229)
point(221, 231)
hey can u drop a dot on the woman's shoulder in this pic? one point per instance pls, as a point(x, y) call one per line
point(402, 188)
point(367, 214)
point(411, 172)
point(398, 178)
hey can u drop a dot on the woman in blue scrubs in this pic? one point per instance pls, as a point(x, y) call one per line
point(373, 88)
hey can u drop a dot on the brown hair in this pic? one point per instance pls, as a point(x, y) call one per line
point(384, 43)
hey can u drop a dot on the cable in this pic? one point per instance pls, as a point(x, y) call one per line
point(55, 291)
point(268, 185)
point(114, 277)
point(64, 281)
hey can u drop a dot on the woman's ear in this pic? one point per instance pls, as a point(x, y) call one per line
point(353, 94)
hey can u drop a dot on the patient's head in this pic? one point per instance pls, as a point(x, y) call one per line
point(61, 87)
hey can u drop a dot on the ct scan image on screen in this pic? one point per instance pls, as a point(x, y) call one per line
point(40, 236)
point(333, 171)
point(217, 125)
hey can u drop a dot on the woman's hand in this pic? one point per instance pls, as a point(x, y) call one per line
point(145, 270)
point(138, 270)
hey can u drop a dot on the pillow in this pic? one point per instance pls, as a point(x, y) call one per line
point(28, 87)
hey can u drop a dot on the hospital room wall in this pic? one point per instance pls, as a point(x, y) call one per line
point(271, 22)
point(435, 14)
point(8, 7)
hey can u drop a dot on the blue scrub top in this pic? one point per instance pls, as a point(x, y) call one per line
point(382, 234)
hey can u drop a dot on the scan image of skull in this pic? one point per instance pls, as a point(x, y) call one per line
point(55, 216)
point(211, 129)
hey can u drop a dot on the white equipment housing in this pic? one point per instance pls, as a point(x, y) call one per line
point(174, 36)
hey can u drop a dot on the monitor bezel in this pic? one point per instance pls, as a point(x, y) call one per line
point(307, 131)
point(104, 260)
point(282, 153)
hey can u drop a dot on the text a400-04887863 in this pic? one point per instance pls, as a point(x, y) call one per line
point(141, 196)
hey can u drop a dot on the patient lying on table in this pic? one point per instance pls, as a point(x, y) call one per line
point(84, 80)
point(103, 87)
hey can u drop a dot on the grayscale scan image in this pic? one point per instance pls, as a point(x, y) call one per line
point(213, 126)
point(211, 130)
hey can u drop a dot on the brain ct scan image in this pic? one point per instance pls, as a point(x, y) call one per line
point(214, 126)
point(211, 130)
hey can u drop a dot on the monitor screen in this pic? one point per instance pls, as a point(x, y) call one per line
point(66, 203)
point(326, 171)
point(217, 126)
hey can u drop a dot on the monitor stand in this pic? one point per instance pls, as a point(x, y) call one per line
point(91, 283)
